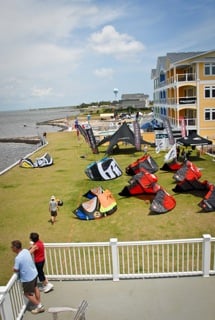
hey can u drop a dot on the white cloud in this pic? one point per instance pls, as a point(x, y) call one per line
point(110, 42)
point(62, 49)
point(40, 92)
point(104, 72)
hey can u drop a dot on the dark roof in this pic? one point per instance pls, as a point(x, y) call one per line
point(175, 57)
point(193, 140)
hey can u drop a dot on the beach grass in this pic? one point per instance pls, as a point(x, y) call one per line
point(25, 195)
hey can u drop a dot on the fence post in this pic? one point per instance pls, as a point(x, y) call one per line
point(206, 254)
point(6, 311)
point(115, 259)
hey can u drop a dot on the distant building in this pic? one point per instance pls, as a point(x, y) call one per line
point(184, 91)
point(134, 100)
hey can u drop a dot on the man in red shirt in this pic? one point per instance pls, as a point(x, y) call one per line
point(38, 250)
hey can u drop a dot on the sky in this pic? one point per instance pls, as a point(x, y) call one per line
point(68, 52)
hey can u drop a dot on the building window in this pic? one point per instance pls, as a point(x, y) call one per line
point(210, 114)
point(162, 76)
point(210, 92)
point(209, 69)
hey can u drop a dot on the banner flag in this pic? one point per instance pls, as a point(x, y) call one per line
point(137, 136)
point(169, 130)
point(183, 128)
point(83, 132)
point(92, 139)
point(159, 146)
point(172, 154)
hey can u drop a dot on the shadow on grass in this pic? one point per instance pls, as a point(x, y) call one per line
point(121, 150)
point(152, 213)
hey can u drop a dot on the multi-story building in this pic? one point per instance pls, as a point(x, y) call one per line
point(134, 100)
point(184, 91)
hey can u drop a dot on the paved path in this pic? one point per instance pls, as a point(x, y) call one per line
point(191, 298)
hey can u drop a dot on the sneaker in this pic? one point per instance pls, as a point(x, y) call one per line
point(38, 310)
point(48, 287)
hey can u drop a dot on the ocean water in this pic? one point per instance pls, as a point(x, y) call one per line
point(24, 123)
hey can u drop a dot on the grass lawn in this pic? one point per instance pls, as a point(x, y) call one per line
point(25, 194)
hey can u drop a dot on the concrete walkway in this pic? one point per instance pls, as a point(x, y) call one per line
point(191, 298)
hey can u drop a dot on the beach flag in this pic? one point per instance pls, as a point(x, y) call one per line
point(137, 137)
point(92, 139)
point(159, 146)
point(172, 154)
point(83, 132)
point(168, 128)
point(183, 128)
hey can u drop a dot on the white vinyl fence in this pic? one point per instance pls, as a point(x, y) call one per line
point(116, 260)
point(125, 260)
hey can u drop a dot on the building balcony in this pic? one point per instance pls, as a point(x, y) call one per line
point(177, 101)
point(185, 77)
point(186, 100)
point(176, 80)
point(189, 123)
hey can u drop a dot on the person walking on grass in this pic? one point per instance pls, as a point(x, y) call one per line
point(25, 268)
point(53, 209)
point(37, 249)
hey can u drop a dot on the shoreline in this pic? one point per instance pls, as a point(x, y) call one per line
point(63, 124)
point(29, 140)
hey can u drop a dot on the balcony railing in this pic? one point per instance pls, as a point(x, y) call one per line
point(185, 77)
point(177, 101)
point(116, 260)
point(187, 100)
point(180, 77)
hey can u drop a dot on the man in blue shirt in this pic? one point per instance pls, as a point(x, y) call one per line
point(27, 273)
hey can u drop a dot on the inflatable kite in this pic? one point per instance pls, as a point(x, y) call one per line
point(101, 203)
point(146, 162)
point(187, 178)
point(94, 192)
point(190, 185)
point(173, 165)
point(143, 182)
point(104, 169)
point(162, 202)
point(208, 202)
point(44, 161)
point(187, 172)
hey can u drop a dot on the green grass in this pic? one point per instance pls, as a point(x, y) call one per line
point(25, 195)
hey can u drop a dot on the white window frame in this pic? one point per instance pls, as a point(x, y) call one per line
point(209, 113)
point(209, 69)
point(210, 90)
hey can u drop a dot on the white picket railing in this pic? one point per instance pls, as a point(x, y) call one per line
point(116, 260)
point(125, 260)
point(12, 303)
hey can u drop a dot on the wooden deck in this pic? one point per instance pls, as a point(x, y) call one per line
point(185, 298)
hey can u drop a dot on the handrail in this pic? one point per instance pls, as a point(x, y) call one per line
point(115, 260)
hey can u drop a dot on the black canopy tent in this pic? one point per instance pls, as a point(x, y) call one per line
point(193, 140)
point(123, 134)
